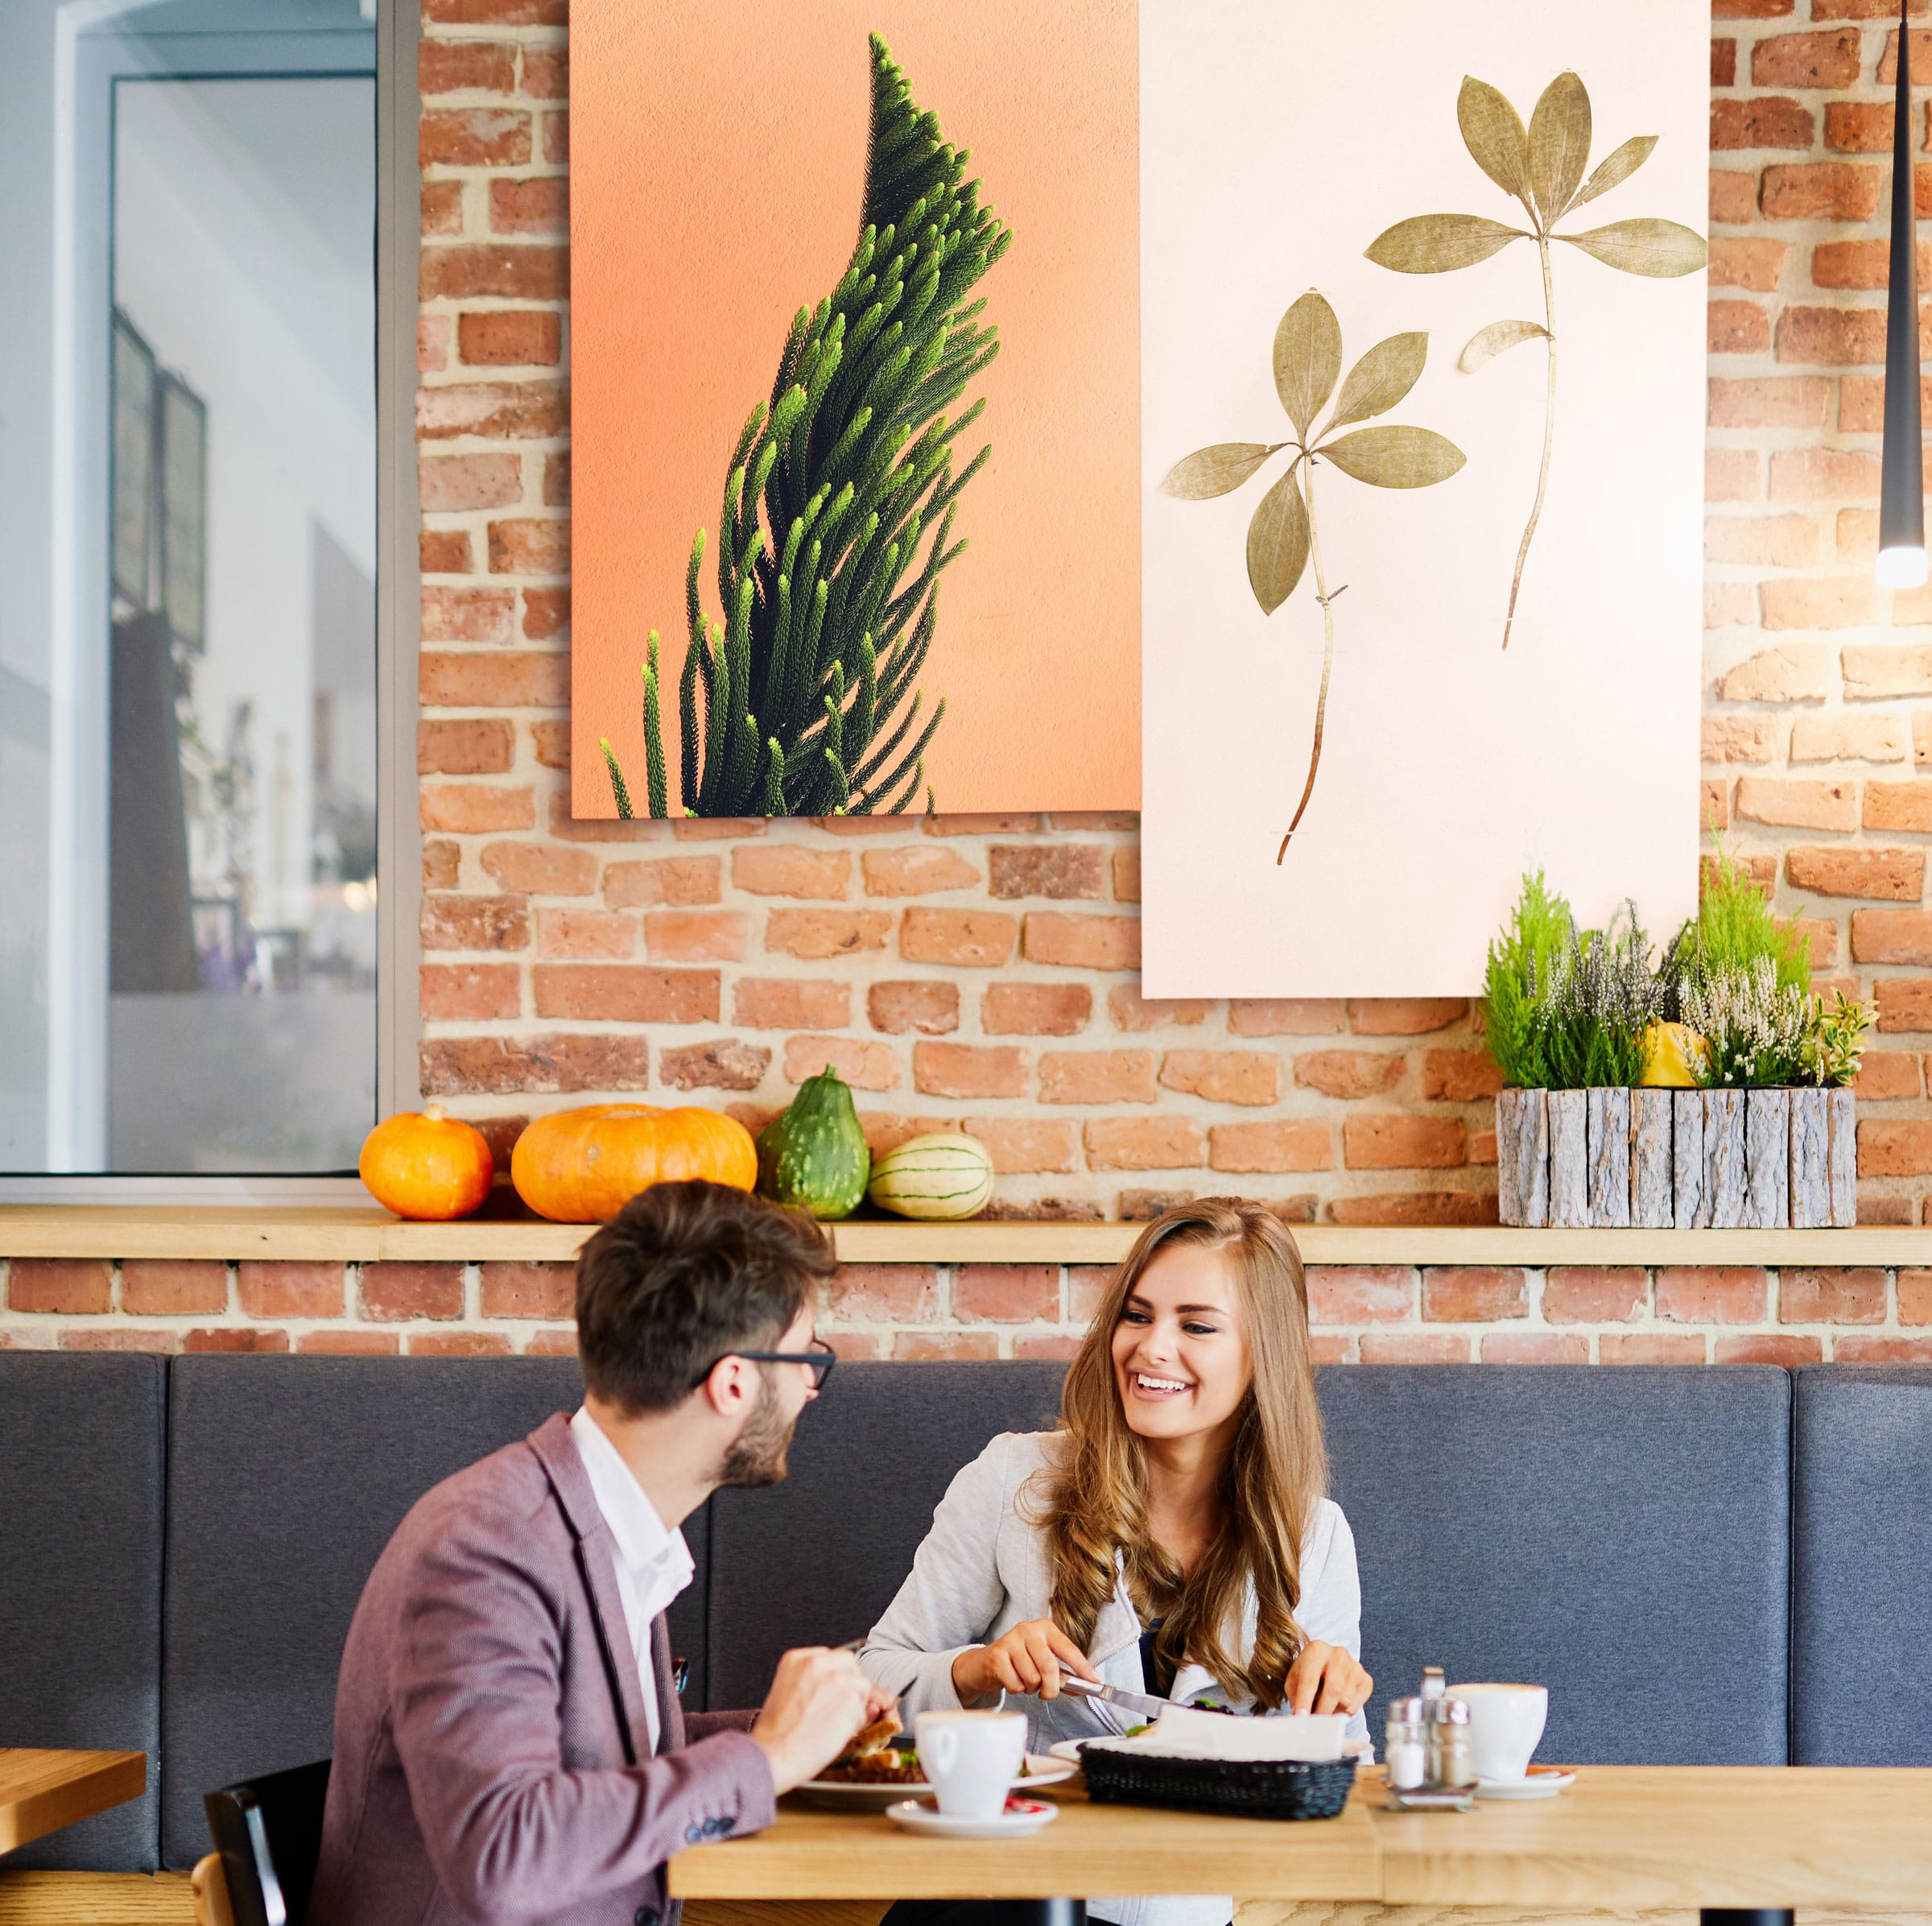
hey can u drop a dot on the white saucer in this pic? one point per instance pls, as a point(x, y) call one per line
point(1039, 1770)
point(1543, 1782)
point(1021, 1817)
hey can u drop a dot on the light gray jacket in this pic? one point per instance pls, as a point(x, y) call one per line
point(984, 1569)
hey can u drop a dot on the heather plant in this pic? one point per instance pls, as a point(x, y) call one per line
point(1604, 997)
point(1757, 1028)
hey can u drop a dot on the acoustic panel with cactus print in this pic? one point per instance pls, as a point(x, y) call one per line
point(1421, 462)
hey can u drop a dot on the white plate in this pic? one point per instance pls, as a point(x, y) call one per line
point(1543, 1781)
point(1041, 1770)
point(1031, 1814)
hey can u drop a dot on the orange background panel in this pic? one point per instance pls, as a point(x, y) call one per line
point(717, 166)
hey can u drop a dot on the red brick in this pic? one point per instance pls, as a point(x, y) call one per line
point(493, 410)
point(1723, 63)
point(465, 67)
point(1765, 541)
point(541, 206)
point(510, 1290)
point(510, 338)
point(1019, 1144)
point(1006, 1293)
point(546, 611)
point(1712, 1294)
point(1053, 869)
point(1893, 876)
point(1462, 1294)
point(1852, 1296)
point(919, 870)
point(1898, 806)
point(586, 933)
point(934, 1346)
point(394, 1291)
point(1880, 670)
point(546, 73)
point(1915, 1297)
point(475, 808)
point(1405, 1016)
point(1887, 1077)
point(1535, 1347)
point(969, 1070)
point(1843, 602)
point(1351, 1294)
point(1769, 120)
point(1737, 327)
point(1143, 1143)
point(349, 1343)
point(1010, 824)
point(625, 993)
point(1894, 1149)
point(475, 745)
point(1904, 1002)
point(865, 1066)
point(1849, 736)
point(1079, 942)
point(556, 478)
point(1097, 1077)
point(432, 342)
point(473, 137)
point(1394, 1141)
point(786, 869)
point(1277, 1145)
point(172, 1288)
point(1733, 197)
point(519, 680)
point(486, 923)
point(1594, 1294)
point(468, 615)
point(1772, 1347)
point(1650, 1347)
point(97, 1338)
point(1864, 264)
point(441, 209)
point(814, 935)
point(1822, 190)
point(444, 552)
point(790, 1003)
point(1881, 1350)
point(1050, 1347)
point(696, 936)
point(1032, 1009)
point(1140, 1205)
point(1767, 401)
point(1816, 60)
point(1285, 1016)
point(556, 139)
point(1242, 1077)
point(528, 547)
point(884, 1293)
point(470, 992)
point(723, 1065)
point(974, 939)
point(676, 882)
point(1431, 1207)
point(1713, 806)
point(1922, 56)
point(511, 270)
point(540, 869)
point(1805, 805)
point(1128, 1010)
point(1891, 936)
point(1349, 1074)
point(232, 1337)
point(1731, 474)
point(1127, 876)
point(498, 1065)
point(1414, 1347)
point(291, 1290)
point(1735, 739)
point(1749, 10)
point(1752, 264)
point(458, 1344)
point(1831, 336)
point(1459, 1076)
point(718, 828)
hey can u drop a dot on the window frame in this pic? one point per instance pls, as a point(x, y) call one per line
point(398, 28)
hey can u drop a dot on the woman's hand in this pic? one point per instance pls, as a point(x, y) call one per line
point(1028, 1658)
point(1325, 1678)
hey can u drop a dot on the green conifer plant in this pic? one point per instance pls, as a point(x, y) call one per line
point(839, 498)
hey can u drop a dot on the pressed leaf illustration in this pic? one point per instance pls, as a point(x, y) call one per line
point(1542, 168)
point(1282, 536)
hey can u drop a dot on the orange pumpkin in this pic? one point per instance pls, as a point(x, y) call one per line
point(423, 1164)
point(583, 1166)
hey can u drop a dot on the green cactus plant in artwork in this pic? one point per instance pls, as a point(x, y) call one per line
point(1284, 535)
point(803, 699)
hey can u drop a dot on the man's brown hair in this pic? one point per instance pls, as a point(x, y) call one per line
point(684, 1275)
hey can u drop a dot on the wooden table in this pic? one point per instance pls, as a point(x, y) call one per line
point(42, 1791)
point(1635, 1837)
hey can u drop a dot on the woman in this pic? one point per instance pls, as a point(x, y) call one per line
point(1171, 1537)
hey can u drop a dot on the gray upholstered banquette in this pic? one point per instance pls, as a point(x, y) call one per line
point(181, 1545)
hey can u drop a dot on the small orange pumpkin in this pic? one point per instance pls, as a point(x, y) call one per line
point(583, 1166)
point(420, 1163)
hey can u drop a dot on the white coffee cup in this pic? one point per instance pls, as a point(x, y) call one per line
point(970, 1758)
point(1505, 1722)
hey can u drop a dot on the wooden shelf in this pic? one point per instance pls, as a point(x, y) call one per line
point(369, 1235)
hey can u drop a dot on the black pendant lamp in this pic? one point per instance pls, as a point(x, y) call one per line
point(1901, 502)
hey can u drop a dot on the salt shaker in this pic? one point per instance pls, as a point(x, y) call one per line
point(1405, 1753)
point(1450, 1763)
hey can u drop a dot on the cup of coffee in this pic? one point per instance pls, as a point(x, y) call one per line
point(972, 1758)
point(1505, 1722)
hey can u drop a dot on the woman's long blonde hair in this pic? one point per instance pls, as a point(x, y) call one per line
point(1093, 1504)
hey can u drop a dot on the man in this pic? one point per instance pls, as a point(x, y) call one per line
point(508, 1746)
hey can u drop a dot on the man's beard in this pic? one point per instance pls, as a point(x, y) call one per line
point(755, 1455)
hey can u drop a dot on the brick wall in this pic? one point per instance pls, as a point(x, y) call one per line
point(1366, 1314)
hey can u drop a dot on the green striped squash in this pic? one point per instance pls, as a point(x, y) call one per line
point(941, 1177)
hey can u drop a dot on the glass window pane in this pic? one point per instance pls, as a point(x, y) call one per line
point(188, 740)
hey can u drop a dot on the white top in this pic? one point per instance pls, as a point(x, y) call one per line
point(984, 1567)
point(653, 1565)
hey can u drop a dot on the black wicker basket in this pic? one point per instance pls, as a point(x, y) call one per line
point(1266, 1788)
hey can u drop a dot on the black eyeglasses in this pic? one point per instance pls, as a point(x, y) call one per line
point(819, 1360)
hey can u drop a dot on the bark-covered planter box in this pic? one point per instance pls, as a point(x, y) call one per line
point(1690, 1160)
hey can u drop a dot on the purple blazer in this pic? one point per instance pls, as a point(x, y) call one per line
point(492, 1761)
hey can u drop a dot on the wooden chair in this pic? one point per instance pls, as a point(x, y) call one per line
point(267, 1833)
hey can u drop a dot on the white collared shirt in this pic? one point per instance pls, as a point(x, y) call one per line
point(653, 1565)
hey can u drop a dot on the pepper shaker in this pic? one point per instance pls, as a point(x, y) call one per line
point(1450, 1766)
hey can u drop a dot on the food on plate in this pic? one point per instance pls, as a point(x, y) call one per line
point(871, 1760)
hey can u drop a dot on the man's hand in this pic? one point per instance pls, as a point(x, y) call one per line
point(819, 1699)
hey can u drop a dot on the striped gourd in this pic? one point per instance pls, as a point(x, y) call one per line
point(944, 1176)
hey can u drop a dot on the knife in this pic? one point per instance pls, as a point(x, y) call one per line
point(1146, 1706)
